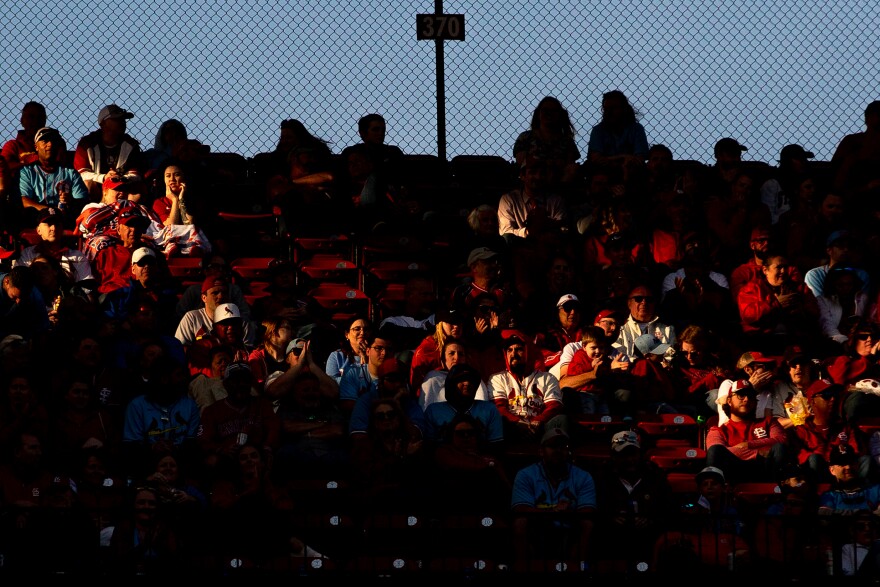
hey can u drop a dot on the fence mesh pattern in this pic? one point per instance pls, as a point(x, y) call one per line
point(767, 72)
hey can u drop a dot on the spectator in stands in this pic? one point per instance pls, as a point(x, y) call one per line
point(485, 276)
point(731, 218)
point(531, 219)
point(642, 319)
point(386, 159)
point(697, 370)
point(855, 159)
point(170, 138)
point(464, 460)
point(530, 401)
point(482, 222)
point(299, 360)
point(147, 280)
point(146, 540)
point(22, 308)
point(461, 395)
point(293, 134)
point(697, 294)
point(22, 407)
point(314, 436)
point(270, 354)
point(242, 416)
point(746, 447)
point(22, 150)
point(213, 265)
point(539, 309)
point(79, 422)
point(253, 513)
point(433, 389)
point(760, 371)
point(207, 389)
point(161, 418)
point(227, 328)
point(618, 138)
point(599, 378)
point(778, 191)
point(49, 181)
point(50, 229)
point(775, 311)
point(550, 137)
point(196, 324)
point(427, 357)
point(858, 364)
point(849, 492)
point(825, 432)
point(353, 347)
point(760, 245)
point(728, 165)
point(842, 299)
point(808, 236)
point(567, 327)
point(389, 463)
point(171, 207)
point(391, 382)
point(634, 497)
point(416, 320)
point(841, 247)
point(554, 502)
point(109, 150)
point(181, 495)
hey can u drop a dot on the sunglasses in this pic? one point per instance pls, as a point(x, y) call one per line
point(385, 414)
point(826, 395)
point(640, 299)
point(745, 394)
point(865, 335)
point(146, 261)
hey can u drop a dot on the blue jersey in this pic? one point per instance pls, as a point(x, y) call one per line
point(147, 422)
point(532, 488)
point(438, 415)
point(43, 187)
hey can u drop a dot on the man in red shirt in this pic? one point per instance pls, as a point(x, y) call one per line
point(745, 447)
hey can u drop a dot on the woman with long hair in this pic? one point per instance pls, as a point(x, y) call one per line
point(428, 355)
point(619, 137)
point(270, 355)
point(352, 350)
point(550, 137)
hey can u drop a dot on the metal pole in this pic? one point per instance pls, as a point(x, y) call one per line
point(441, 91)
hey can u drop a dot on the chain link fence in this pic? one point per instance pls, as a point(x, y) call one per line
point(767, 73)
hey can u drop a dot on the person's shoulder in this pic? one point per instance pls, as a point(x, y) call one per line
point(89, 139)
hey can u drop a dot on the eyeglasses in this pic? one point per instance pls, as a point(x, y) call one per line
point(357, 328)
point(382, 349)
point(568, 307)
point(385, 414)
point(146, 261)
point(640, 299)
point(865, 335)
point(826, 395)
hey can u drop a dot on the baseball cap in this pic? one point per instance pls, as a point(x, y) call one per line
point(625, 439)
point(226, 311)
point(480, 254)
point(47, 134)
point(133, 217)
point(750, 357)
point(820, 386)
point(449, 315)
point(113, 111)
point(116, 182)
point(141, 253)
point(710, 472)
point(296, 343)
point(794, 152)
point(605, 314)
point(794, 354)
point(236, 368)
point(729, 145)
point(567, 298)
point(463, 372)
point(212, 282)
point(553, 433)
point(50, 216)
point(842, 454)
point(391, 369)
point(837, 235)
point(866, 386)
point(647, 344)
point(511, 336)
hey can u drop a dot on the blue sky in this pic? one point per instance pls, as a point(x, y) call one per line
point(767, 73)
